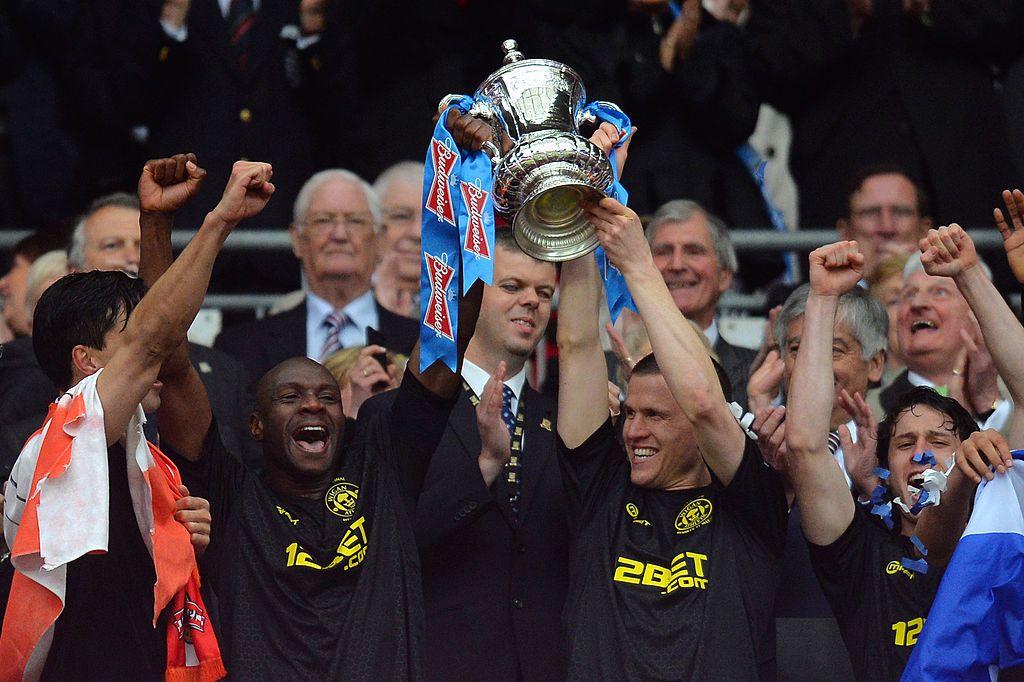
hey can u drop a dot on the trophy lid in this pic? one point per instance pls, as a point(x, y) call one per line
point(515, 61)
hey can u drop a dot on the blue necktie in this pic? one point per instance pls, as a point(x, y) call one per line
point(512, 469)
point(507, 415)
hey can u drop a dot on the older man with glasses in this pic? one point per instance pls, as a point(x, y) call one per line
point(335, 221)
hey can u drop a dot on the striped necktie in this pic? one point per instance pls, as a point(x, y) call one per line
point(335, 322)
point(833, 442)
point(241, 16)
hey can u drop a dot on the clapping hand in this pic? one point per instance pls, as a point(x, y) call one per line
point(495, 444)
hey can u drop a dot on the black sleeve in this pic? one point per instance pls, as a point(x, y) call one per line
point(415, 421)
point(842, 566)
point(440, 512)
point(216, 476)
point(585, 467)
point(756, 496)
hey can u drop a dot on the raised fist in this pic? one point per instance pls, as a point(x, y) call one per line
point(836, 268)
point(247, 192)
point(167, 184)
point(947, 251)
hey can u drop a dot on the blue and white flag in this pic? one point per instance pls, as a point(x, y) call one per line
point(976, 624)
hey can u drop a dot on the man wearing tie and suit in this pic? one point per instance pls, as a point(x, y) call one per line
point(493, 540)
point(335, 221)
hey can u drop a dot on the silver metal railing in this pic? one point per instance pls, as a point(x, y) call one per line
point(988, 241)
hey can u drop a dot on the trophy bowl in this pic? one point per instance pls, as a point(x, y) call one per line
point(541, 183)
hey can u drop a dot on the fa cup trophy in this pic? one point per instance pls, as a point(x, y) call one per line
point(541, 183)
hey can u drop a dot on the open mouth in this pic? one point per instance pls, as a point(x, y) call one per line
point(641, 454)
point(524, 323)
point(921, 325)
point(915, 485)
point(311, 438)
point(672, 286)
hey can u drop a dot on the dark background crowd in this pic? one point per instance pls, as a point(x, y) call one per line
point(91, 90)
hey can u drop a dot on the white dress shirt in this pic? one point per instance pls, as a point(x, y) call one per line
point(361, 313)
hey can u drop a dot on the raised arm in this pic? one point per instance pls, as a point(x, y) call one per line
point(164, 187)
point(161, 320)
point(582, 370)
point(819, 485)
point(684, 360)
point(949, 252)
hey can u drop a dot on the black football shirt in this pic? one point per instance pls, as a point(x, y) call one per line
point(325, 588)
point(670, 585)
point(880, 605)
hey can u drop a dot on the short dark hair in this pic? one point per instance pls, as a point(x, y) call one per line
point(34, 245)
point(961, 421)
point(887, 168)
point(648, 366)
point(80, 309)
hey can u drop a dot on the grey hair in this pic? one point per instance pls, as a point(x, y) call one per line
point(863, 315)
point(681, 210)
point(914, 264)
point(50, 264)
point(317, 179)
point(403, 171)
point(76, 246)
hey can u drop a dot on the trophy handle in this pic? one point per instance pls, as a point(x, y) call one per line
point(587, 122)
point(492, 151)
point(484, 112)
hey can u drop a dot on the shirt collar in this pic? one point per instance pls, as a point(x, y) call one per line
point(361, 311)
point(712, 331)
point(477, 377)
point(918, 380)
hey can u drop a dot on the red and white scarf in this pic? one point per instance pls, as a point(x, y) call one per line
point(62, 474)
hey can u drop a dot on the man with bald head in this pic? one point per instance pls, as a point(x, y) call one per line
point(315, 563)
point(335, 220)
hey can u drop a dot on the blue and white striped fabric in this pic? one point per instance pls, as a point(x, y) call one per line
point(976, 624)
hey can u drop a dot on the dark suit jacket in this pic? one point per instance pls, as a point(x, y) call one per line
point(899, 90)
point(892, 393)
point(735, 360)
point(262, 344)
point(494, 590)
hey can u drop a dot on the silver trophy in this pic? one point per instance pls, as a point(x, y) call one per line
point(541, 183)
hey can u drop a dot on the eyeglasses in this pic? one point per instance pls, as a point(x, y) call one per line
point(873, 214)
point(357, 222)
point(399, 215)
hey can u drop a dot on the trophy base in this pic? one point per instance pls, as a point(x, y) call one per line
point(552, 225)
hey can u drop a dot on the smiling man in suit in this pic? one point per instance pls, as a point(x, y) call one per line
point(335, 221)
point(494, 541)
point(697, 260)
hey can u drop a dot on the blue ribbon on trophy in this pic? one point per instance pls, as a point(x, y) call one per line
point(458, 236)
point(615, 289)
